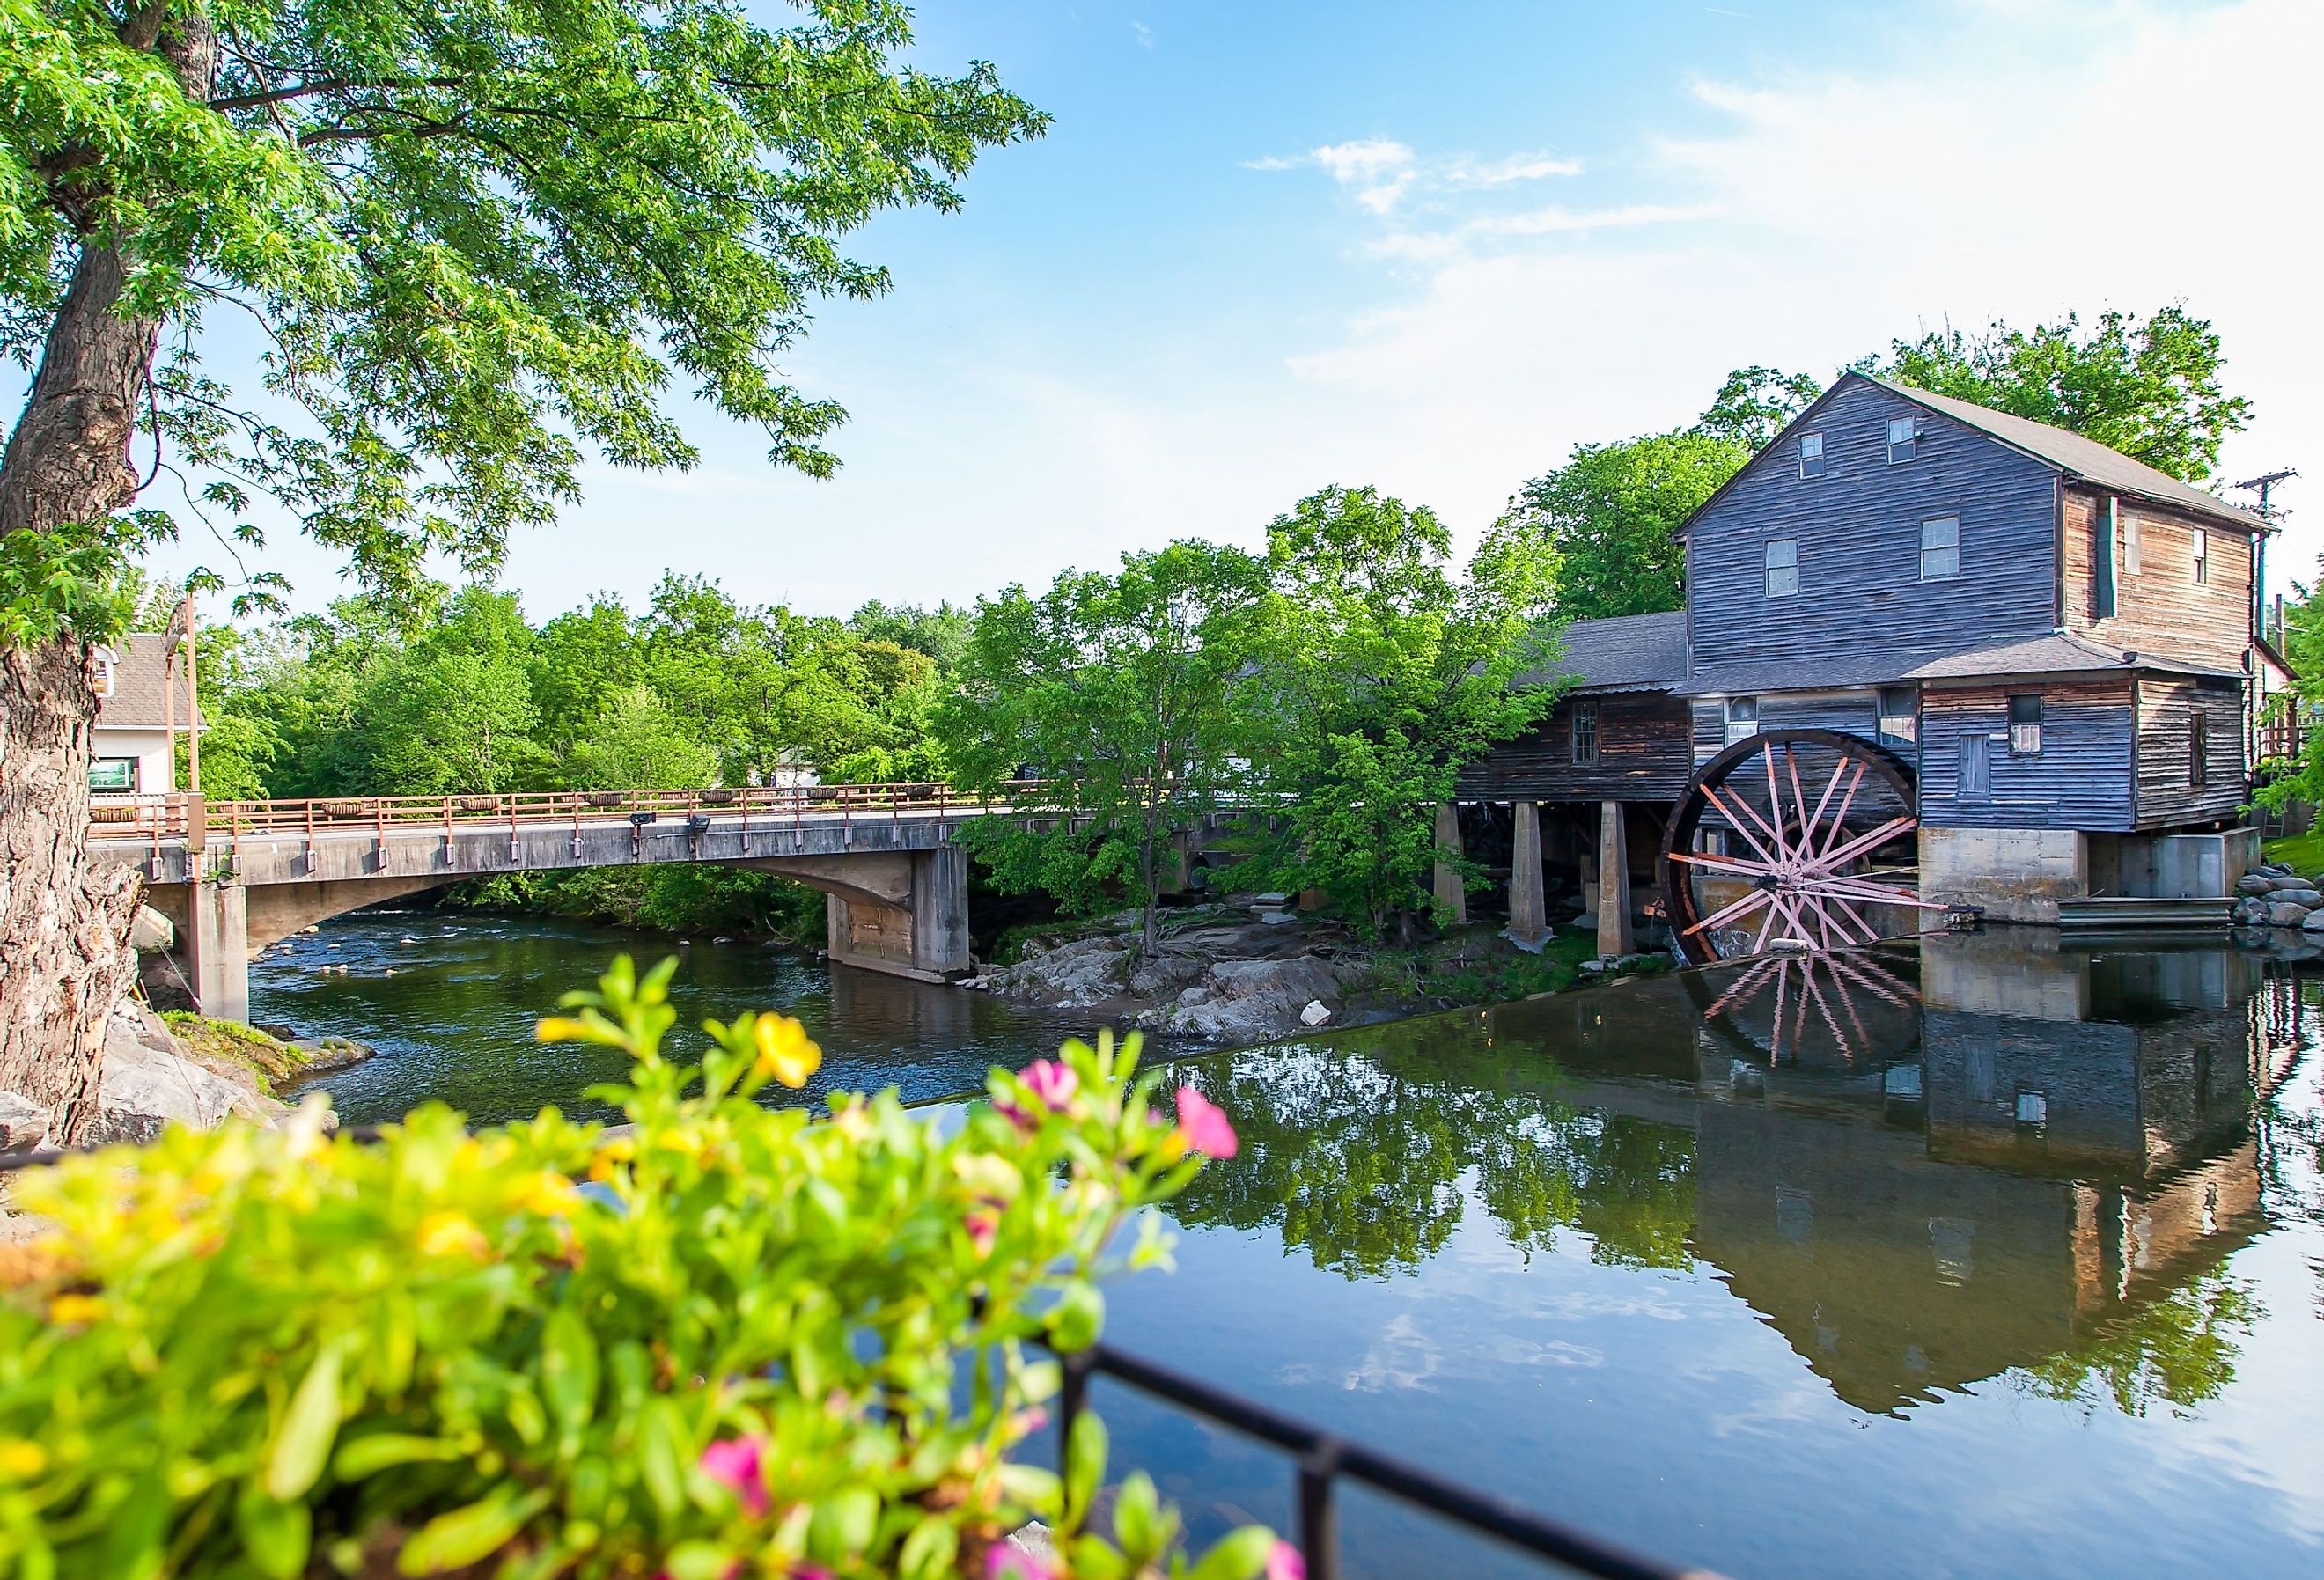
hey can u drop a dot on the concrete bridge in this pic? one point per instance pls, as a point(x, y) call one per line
point(234, 876)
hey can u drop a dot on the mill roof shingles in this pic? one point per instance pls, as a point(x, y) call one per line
point(1629, 652)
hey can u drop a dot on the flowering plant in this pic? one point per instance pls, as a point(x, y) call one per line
point(755, 1345)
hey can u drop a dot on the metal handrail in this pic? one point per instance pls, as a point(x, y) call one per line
point(1323, 1459)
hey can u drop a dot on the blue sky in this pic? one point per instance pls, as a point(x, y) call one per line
point(1269, 246)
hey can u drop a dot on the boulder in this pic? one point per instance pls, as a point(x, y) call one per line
point(2280, 913)
point(23, 1124)
point(1314, 1014)
point(2298, 894)
point(2254, 884)
point(145, 1083)
point(2313, 922)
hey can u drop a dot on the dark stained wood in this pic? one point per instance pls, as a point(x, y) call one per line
point(1642, 755)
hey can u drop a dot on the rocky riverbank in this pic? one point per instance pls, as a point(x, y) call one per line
point(2277, 897)
point(1224, 975)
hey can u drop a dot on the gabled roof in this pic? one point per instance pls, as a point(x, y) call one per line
point(2054, 652)
point(2077, 456)
point(1629, 652)
point(2073, 455)
point(138, 702)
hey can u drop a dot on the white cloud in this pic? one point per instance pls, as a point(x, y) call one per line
point(1383, 171)
point(2010, 162)
point(1142, 33)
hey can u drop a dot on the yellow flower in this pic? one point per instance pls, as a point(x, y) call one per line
point(785, 1052)
point(560, 1029)
point(617, 1152)
point(547, 1193)
point(447, 1233)
point(21, 1459)
point(75, 1309)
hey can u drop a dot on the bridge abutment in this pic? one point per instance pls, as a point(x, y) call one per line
point(901, 912)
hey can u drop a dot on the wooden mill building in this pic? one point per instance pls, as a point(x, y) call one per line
point(2063, 646)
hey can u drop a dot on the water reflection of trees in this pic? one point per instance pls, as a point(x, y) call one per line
point(2178, 1349)
point(1366, 1160)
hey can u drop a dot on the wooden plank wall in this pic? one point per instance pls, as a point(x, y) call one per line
point(2081, 780)
point(1858, 528)
point(1642, 756)
point(2165, 798)
point(2162, 608)
point(1855, 712)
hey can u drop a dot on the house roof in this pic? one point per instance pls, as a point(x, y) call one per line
point(2077, 456)
point(1825, 672)
point(2053, 652)
point(137, 702)
point(1629, 652)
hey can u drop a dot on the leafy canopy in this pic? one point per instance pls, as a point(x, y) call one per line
point(479, 240)
point(1609, 513)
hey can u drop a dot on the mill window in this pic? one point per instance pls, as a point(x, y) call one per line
point(1783, 565)
point(2199, 749)
point(1900, 715)
point(2025, 725)
point(1811, 455)
point(1940, 548)
point(1742, 719)
point(2203, 555)
point(1585, 732)
point(1904, 438)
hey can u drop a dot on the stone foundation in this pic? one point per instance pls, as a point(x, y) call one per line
point(2016, 874)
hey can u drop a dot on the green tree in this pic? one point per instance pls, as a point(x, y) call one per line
point(1377, 674)
point(941, 633)
point(481, 241)
point(1609, 513)
point(1755, 404)
point(2148, 386)
point(1120, 693)
point(637, 743)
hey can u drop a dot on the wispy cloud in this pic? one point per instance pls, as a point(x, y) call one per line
point(1142, 33)
point(1382, 172)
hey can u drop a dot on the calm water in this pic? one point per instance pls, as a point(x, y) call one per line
point(1986, 1258)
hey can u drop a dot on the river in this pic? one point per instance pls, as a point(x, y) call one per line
point(1989, 1256)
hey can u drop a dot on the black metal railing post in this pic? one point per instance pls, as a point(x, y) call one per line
point(1319, 1525)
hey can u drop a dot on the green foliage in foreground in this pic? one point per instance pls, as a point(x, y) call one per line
point(770, 1344)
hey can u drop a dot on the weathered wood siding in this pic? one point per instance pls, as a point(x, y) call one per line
point(2165, 797)
point(2161, 607)
point(1855, 712)
point(1859, 527)
point(1642, 755)
point(2080, 779)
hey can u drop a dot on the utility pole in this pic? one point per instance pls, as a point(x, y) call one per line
point(2267, 511)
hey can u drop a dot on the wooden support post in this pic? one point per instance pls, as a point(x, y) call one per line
point(1614, 934)
point(1529, 907)
point(1451, 895)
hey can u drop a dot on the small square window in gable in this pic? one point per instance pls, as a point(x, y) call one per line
point(1904, 438)
point(1811, 455)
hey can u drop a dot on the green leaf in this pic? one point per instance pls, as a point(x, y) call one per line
point(568, 1370)
point(367, 1456)
point(1240, 1554)
point(698, 1560)
point(274, 1534)
point(661, 1453)
point(1137, 1517)
point(929, 1551)
point(1085, 1454)
point(467, 1536)
point(1078, 1318)
point(845, 1522)
point(302, 1443)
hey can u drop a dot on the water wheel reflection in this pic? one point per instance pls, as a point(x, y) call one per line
point(1850, 1009)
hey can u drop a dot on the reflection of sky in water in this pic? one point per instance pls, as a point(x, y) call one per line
point(1887, 1345)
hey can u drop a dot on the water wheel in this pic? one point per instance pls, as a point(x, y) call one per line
point(1792, 838)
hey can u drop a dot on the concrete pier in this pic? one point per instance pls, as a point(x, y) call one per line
point(1529, 906)
point(1615, 936)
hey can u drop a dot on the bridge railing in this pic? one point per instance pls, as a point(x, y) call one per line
point(157, 817)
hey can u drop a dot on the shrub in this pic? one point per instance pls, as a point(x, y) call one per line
point(751, 1346)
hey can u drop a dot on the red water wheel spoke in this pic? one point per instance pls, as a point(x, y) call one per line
point(1810, 874)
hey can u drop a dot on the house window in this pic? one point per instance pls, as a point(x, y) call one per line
point(105, 667)
point(2203, 555)
point(1940, 548)
point(1783, 567)
point(1585, 732)
point(2199, 749)
point(1900, 715)
point(2129, 542)
point(114, 774)
point(2025, 725)
point(2102, 524)
point(1904, 438)
point(1742, 719)
point(1811, 455)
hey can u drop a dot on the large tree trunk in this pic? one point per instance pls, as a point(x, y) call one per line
point(63, 925)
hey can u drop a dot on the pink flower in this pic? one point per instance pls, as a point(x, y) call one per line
point(1053, 1083)
point(1284, 1563)
point(735, 1463)
point(1006, 1561)
point(983, 1225)
point(1204, 1125)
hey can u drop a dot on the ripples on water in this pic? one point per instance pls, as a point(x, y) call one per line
point(1984, 1258)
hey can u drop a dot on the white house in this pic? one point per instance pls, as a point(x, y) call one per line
point(130, 746)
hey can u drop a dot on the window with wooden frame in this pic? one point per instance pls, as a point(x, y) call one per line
point(113, 775)
point(1783, 567)
point(2198, 748)
point(2025, 724)
point(1811, 455)
point(2202, 557)
point(1900, 715)
point(1585, 732)
point(1940, 548)
point(1904, 438)
point(2130, 552)
point(1742, 719)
